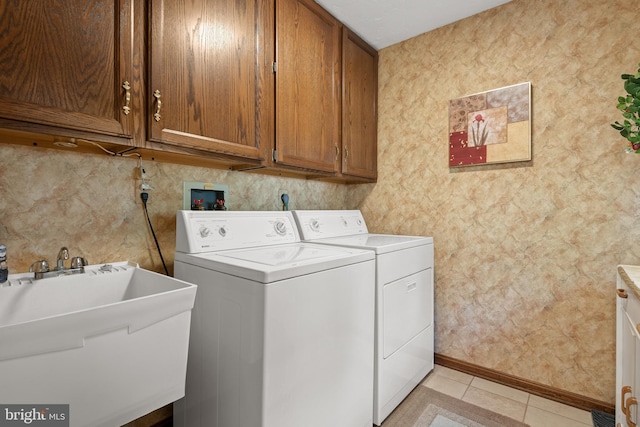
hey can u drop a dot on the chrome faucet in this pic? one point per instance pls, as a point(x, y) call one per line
point(41, 268)
point(63, 255)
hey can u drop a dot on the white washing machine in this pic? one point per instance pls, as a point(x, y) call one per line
point(404, 300)
point(282, 331)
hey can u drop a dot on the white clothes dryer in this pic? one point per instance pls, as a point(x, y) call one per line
point(404, 341)
point(282, 331)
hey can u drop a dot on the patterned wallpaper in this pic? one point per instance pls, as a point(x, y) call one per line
point(525, 253)
point(91, 204)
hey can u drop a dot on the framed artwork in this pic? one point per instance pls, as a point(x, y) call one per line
point(491, 127)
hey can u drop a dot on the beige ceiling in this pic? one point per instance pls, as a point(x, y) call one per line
point(385, 22)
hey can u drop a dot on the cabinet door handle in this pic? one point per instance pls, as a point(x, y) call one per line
point(630, 401)
point(346, 153)
point(623, 391)
point(127, 97)
point(156, 115)
point(622, 293)
point(337, 152)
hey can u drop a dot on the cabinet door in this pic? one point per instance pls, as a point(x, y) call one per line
point(307, 86)
point(627, 367)
point(359, 107)
point(631, 367)
point(211, 85)
point(631, 401)
point(64, 63)
point(627, 355)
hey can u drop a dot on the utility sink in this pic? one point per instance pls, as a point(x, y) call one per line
point(111, 342)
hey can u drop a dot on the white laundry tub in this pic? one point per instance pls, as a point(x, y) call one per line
point(111, 344)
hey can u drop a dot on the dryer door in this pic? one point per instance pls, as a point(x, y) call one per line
point(407, 309)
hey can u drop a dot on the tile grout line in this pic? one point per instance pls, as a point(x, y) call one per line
point(526, 408)
point(466, 389)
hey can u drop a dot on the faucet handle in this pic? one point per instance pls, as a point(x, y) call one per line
point(77, 262)
point(39, 267)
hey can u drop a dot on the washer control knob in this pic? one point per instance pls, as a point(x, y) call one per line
point(344, 222)
point(204, 231)
point(222, 231)
point(314, 224)
point(359, 222)
point(280, 228)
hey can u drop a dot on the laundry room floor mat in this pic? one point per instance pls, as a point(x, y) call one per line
point(425, 407)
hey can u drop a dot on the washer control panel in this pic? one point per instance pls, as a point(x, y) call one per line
point(332, 223)
point(204, 231)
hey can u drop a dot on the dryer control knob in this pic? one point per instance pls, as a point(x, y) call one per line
point(204, 231)
point(222, 231)
point(280, 228)
point(314, 224)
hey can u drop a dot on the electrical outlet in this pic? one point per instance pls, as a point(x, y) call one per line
point(144, 178)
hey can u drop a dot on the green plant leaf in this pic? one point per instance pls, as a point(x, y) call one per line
point(632, 89)
point(629, 106)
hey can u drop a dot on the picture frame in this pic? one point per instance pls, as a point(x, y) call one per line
point(491, 127)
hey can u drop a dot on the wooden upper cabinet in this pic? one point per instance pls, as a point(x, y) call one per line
point(211, 82)
point(359, 107)
point(307, 86)
point(63, 63)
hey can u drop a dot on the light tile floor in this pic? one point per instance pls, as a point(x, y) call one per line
point(519, 405)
